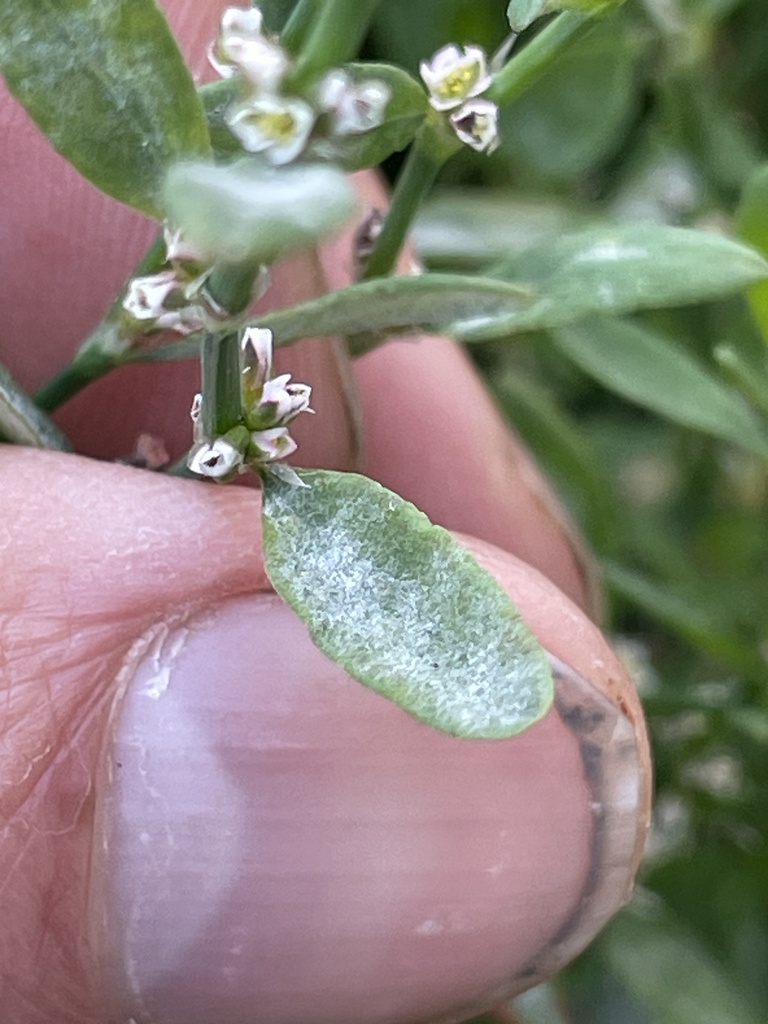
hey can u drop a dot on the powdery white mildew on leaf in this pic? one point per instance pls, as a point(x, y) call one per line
point(402, 606)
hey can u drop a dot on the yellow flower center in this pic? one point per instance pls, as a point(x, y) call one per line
point(279, 125)
point(458, 82)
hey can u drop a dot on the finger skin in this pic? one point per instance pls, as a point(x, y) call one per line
point(101, 557)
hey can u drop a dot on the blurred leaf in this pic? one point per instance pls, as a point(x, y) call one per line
point(521, 13)
point(250, 211)
point(699, 123)
point(402, 606)
point(22, 422)
point(670, 974)
point(618, 270)
point(107, 84)
point(469, 228)
point(564, 451)
point(576, 114)
point(403, 117)
point(649, 369)
point(688, 619)
point(752, 226)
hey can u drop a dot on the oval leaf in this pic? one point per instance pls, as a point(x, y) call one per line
point(392, 305)
point(647, 368)
point(250, 211)
point(521, 13)
point(106, 82)
point(620, 269)
point(402, 606)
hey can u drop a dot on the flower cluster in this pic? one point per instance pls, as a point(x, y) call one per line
point(269, 404)
point(455, 79)
point(277, 125)
point(173, 299)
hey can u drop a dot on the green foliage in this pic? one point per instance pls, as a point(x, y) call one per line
point(653, 430)
point(107, 84)
point(403, 606)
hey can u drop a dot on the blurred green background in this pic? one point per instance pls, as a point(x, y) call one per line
point(659, 115)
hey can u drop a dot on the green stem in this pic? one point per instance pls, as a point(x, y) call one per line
point(530, 62)
point(230, 285)
point(222, 404)
point(426, 156)
point(336, 34)
point(93, 360)
point(298, 25)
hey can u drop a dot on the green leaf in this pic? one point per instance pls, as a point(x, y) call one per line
point(649, 369)
point(404, 115)
point(468, 228)
point(392, 305)
point(580, 113)
point(752, 226)
point(521, 13)
point(402, 606)
point(250, 211)
point(22, 422)
point(617, 270)
point(671, 974)
point(105, 81)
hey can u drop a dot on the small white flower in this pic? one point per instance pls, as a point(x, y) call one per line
point(273, 125)
point(186, 320)
point(283, 401)
point(241, 47)
point(355, 107)
point(215, 459)
point(476, 124)
point(273, 444)
point(455, 75)
point(145, 297)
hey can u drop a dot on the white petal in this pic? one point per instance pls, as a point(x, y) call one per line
point(145, 296)
point(262, 62)
point(259, 340)
point(332, 88)
point(243, 22)
point(476, 124)
point(362, 108)
point(272, 444)
point(215, 459)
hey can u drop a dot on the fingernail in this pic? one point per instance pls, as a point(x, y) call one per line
point(277, 843)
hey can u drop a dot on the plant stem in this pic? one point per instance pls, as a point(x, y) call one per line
point(430, 149)
point(93, 360)
point(230, 285)
point(530, 62)
point(22, 422)
point(297, 27)
point(222, 404)
point(337, 31)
